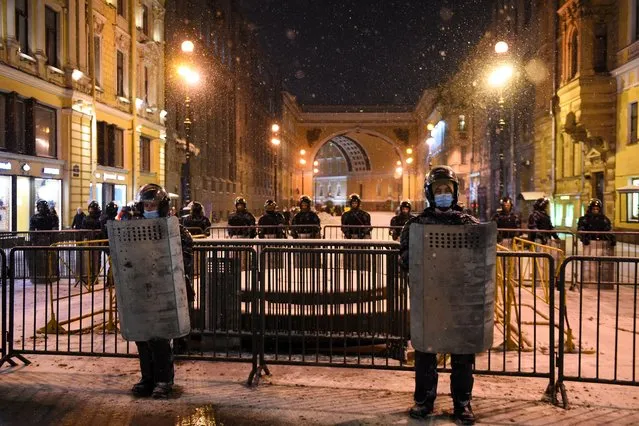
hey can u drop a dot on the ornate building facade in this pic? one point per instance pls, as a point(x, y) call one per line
point(81, 99)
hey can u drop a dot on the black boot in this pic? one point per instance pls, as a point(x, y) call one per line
point(162, 390)
point(421, 411)
point(143, 388)
point(464, 414)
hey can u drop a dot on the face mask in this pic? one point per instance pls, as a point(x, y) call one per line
point(153, 214)
point(443, 201)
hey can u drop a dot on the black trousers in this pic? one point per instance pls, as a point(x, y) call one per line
point(461, 379)
point(156, 361)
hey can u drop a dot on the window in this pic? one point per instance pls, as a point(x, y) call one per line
point(97, 54)
point(574, 54)
point(122, 8)
point(145, 154)
point(601, 48)
point(145, 19)
point(120, 74)
point(22, 25)
point(45, 131)
point(51, 36)
point(27, 127)
point(110, 145)
point(633, 123)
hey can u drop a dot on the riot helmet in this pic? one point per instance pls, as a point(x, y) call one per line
point(42, 206)
point(197, 209)
point(436, 177)
point(354, 198)
point(405, 205)
point(506, 202)
point(152, 197)
point(111, 209)
point(305, 199)
point(270, 206)
point(94, 208)
point(541, 204)
point(240, 201)
point(595, 203)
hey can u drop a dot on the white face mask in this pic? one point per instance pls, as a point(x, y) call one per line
point(443, 201)
point(153, 214)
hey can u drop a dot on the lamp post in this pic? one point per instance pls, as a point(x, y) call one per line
point(190, 77)
point(499, 78)
point(302, 165)
point(275, 141)
point(315, 171)
point(399, 171)
point(409, 161)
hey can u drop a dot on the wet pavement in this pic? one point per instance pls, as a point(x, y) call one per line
point(57, 390)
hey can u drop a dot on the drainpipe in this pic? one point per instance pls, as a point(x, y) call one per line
point(132, 93)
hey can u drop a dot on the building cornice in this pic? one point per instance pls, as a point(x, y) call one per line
point(628, 66)
point(35, 82)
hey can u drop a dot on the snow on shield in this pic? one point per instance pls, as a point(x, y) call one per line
point(452, 287)
point(148, 271)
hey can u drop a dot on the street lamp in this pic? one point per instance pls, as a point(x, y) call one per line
point(499, 79)
point(315, 171)
point(190, 77)
point(275, 141)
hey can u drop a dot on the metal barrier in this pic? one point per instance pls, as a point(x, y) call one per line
point(337, 303)
point(3, 303)
point(337, 307)
point(379, 233)
point(60, 317)
point(604, 319)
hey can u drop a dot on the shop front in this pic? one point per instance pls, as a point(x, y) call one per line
point(22, 184)
point(112, 188)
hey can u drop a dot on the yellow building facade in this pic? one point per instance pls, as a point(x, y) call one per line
point(627, 146)
point(82, 101)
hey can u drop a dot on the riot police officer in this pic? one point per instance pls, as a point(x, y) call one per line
point(271, 223)
point(506, 218)
point(305, 217)
point(156, 357)
point(595, 220)
point(398, 221)
point(196, 219)
point(539, 219)
point(441, 190)
point(241, 217)
point(110, 213)
point(42, 220)
point(356, 222)
point(92, 219)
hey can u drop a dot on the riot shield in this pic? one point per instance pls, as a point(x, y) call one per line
point(148, 272)
point(452, 287)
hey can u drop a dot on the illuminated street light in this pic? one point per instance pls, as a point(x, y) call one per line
point(316, 170)
point(302, 152)
point(430, 126)
point(316, 163)
point(275, 128)
point(188, 46)
point(189, 75)
point(399, 170)
point(275, 141)
point(409, 160)
point(409, 151)
point(500, 76)
point(398, 163)
point(501, 47)
point(302, 161)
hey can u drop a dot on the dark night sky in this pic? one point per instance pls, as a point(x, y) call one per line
point(366, 51)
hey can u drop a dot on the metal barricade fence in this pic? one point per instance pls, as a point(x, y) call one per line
point(378, 233)
point(602, 318)
point(338, 307)
point(9, 240)
point(3, 303)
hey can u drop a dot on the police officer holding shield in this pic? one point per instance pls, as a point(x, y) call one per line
point(156, 357)
point(441, 189)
